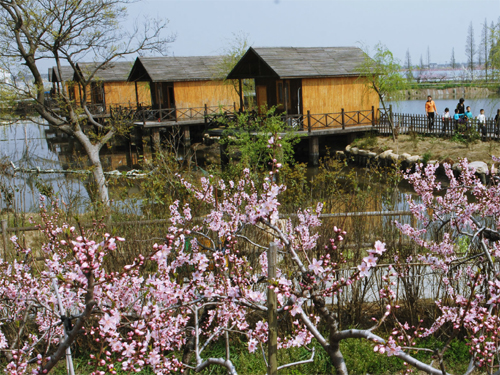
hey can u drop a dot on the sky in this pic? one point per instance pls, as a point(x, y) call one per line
point(207, 27)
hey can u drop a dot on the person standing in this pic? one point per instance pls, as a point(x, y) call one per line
point(461, 106)
point(430, 108)
point(446, 120)
point(481, 123)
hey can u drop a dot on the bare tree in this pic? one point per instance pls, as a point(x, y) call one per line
point(65, 32)
point(231, 54)
point(428, 57)
point(408, 66)
point(453, 62)
point(470, 50)
point(485, 48)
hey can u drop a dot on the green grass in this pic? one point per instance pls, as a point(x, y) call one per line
point(358, 354)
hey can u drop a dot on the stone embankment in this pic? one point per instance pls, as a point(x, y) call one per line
point(450, 93)
point(404, 161)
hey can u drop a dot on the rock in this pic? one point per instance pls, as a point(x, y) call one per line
point(362, 152)
point(385, 154)
point(393, 157)
point(480, 166)
point(348, 148)
point(371, 154)
point(414, 159)
point(354, 150)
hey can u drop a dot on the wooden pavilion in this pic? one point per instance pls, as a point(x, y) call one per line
point(184, 83)
point(57, 77)
point(296, 80)
point(109, 86)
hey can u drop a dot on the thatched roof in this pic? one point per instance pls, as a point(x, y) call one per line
point(115, 71)
point(295, 62)
point(174, 69)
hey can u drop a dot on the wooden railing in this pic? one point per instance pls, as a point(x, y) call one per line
point(411, 123)
point(180, 114)
point(308, 122)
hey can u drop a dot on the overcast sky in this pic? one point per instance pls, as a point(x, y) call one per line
point(205, 27)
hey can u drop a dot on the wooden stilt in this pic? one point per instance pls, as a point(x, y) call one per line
point(314, 150)
point(187, 136)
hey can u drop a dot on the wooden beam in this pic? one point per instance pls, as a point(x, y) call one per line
point(241, 95)
point(136, 95)
point(314, 151)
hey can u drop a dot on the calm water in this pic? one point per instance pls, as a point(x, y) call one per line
point(490, 105)
point(28, 145)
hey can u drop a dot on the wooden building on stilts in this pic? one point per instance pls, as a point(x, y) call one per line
point(319, 88)
point(109, 86)
point(188, 85)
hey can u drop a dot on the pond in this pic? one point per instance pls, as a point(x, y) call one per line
point(490, 105)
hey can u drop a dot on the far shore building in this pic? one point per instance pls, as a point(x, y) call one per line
point(187, 84)
point(297, 80)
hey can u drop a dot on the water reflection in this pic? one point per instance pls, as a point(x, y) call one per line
point(30, 145)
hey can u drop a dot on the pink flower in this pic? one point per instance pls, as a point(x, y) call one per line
point(316, 266)
point(370, 261)
point(379, 247)
point(252, 345)
point(364, 270)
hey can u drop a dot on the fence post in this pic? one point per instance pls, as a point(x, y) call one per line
point(373, 115)
point(4, 235)
point(391, 122)
point(272, 305)
point(309, 121)
point(206, 117)
point(343, 121)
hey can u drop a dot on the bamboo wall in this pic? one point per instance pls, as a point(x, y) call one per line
point(120, 94)
point(123, 93)
point(198, 93)
point(330, 95)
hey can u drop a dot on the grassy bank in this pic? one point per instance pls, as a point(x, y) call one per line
point(359, 355)
point(432, 148)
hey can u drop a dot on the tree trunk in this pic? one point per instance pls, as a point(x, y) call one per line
point(99, 178)
point(97, 170)
point(337, 358)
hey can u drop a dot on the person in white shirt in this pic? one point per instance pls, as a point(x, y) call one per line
point(446, 120)
point(481, 122)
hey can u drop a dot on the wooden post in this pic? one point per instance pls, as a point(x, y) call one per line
point(187, 136)
point(155, 135)
point(136, 95)
point(272, 315)
point(4, 235)
point(390, 114)
point(206, 117)
point(314, 150)
point(343, 119)
point(224, 157)
point(373, 115)
point(241, 95)
point(309, 121)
